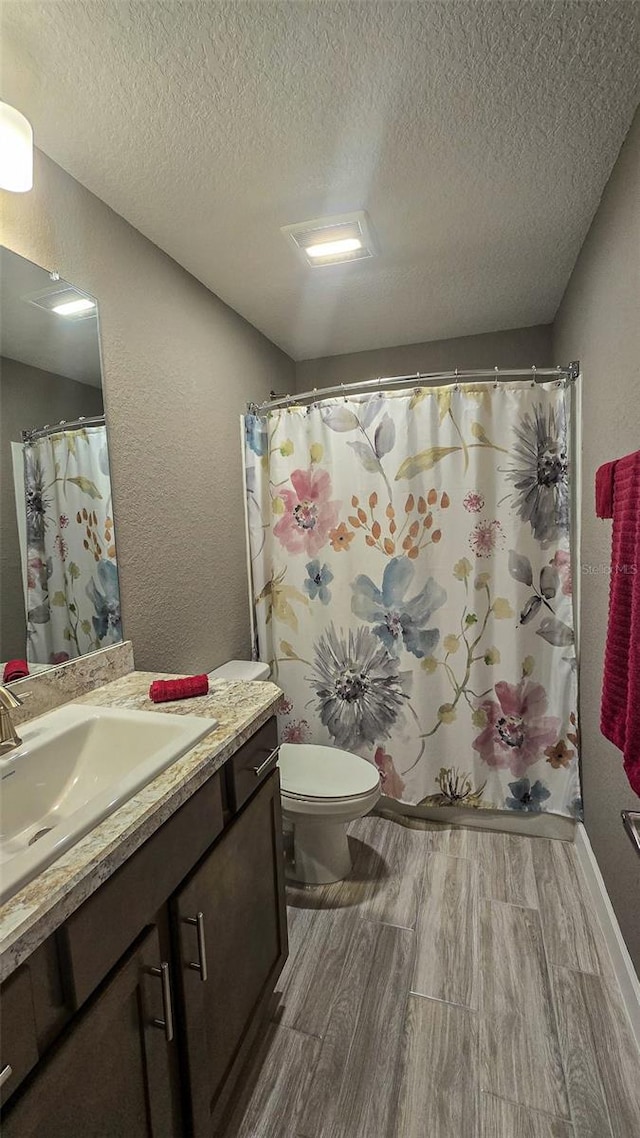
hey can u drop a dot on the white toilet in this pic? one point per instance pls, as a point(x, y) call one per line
point(322, 788)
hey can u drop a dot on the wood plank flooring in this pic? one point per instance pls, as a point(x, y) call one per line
point(456, 985)
point(445, 931)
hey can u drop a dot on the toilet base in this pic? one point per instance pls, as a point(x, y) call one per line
point(320, 853)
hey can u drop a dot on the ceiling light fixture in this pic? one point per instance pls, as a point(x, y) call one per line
point(331, 248)
point(72, 307)
point(332, 240)
point(16, 151)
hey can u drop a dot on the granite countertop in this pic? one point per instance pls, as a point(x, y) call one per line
point(40, 907)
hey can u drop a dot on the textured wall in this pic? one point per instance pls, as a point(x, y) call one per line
point(29, 397)
point(518, 347)
point(178, 366)
point(599, 323)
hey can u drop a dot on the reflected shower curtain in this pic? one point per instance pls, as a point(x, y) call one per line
point(411, 579)
point(73, 599)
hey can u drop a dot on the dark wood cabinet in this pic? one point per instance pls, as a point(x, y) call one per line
point(192, 928)
point(18, 1033)
point(108, 1076)
point(231, 926)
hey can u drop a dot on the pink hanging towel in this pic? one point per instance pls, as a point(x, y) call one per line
point(604, 490)
point(620, 712)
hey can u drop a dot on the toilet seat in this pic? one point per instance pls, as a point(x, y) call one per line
point(353, 806)
point(309, 771)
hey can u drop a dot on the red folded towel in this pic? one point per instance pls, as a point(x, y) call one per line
point(604, 490)
point(620, 711)
point(15, 670)
point(162, 691)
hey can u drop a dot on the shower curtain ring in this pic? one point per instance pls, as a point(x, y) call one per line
point(533, 375)
point(495, 382)
point(456, 385)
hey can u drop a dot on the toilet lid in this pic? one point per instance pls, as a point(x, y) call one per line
point(324, 772)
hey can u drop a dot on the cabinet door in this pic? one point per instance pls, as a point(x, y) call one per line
point(18, 1036)
point(232, 931)
point(108, 1076)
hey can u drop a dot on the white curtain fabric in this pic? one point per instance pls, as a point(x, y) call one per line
point(412, 586)
point(73, 599)
point(17, 460)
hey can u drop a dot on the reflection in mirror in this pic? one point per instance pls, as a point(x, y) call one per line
point(59, 594)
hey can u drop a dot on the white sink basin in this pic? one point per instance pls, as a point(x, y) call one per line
point(75, 766)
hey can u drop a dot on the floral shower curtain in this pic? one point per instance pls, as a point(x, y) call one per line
point(73, 599)
point(411, 578)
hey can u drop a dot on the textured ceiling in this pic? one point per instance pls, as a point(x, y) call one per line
point(42, 339)
point(478, 136)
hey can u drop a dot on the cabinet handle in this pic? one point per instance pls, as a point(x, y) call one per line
point(5, 1074)
point(167, 1023)
point(267, 763)
point(201, 966)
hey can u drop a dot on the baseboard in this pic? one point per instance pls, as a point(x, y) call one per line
point(618, 951)
point(533, 825)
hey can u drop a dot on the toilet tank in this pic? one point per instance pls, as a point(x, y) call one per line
point(241, 670)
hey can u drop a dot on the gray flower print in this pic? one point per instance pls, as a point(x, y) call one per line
point(359, 686)
point(36, 503)
point(541, 474)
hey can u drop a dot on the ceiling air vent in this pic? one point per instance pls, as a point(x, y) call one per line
point(62, 299)
point(332, 240)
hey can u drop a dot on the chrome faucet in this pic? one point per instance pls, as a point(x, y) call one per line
point(9, 737)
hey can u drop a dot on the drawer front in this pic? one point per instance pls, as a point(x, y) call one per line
point(248, 768)
point(18, 1043)
point(95, 937)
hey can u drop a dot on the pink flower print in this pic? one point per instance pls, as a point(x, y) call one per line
point(59, 657)
point(309, 514)
point(64, 521)
point(36, 572)
point(518, 731)
point(285, 706)
point(61, 547)
point(392, 784)
point(562, 562)
point(486, 537)
point(297, 731)
point(473, 502)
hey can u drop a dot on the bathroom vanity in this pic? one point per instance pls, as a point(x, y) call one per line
point(138, 968)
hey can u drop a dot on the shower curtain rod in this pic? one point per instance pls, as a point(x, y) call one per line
point(569, 373)
point(72, 425)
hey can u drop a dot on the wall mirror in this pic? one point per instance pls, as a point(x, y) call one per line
point(59, 592)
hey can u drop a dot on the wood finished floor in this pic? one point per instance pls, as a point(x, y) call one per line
point(456, 985)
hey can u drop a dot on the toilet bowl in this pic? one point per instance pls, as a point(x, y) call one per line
point(323, 789)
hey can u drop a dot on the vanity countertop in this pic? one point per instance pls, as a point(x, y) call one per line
point(38, 909)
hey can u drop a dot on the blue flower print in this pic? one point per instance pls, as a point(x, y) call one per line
point(527, 797)
point(105, 598)
point(316, 584)
point(398, 621)
point(256, 434)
